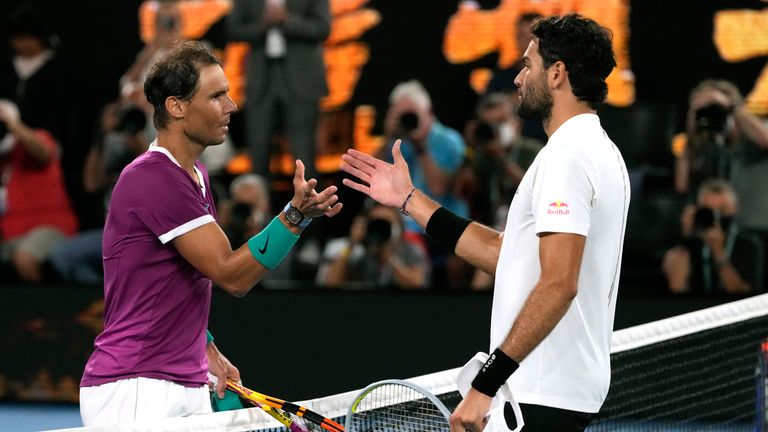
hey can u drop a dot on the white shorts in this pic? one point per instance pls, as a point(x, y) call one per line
point(139, 400)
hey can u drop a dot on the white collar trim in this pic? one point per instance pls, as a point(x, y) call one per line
point(153, 147)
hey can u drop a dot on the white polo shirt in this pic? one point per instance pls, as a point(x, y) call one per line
point(577, 184)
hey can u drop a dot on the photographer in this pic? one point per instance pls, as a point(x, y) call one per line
point(721, 135)
point(500, 156)
point(119, 140)
point(716, 255)
point(434, 152)
point(374, 255)
point(248, 210)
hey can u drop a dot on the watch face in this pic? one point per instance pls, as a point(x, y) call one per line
point(294, 215)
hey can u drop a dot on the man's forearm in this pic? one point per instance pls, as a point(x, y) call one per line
point(752, 127)
point(479, 245)
point(31, 142)
point(544, 308)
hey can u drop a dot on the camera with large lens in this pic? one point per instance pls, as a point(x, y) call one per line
point(484, 133)
point(705, 218)
point(712, 118)
point(409, 122)
point(131, 120)
point(379, 232)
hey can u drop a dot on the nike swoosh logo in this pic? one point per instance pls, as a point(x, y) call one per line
point(266, 243)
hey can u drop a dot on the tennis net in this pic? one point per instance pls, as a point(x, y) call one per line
point(704, 370)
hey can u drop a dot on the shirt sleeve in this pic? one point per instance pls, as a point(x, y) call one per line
point(168, 203)
point(563, 194)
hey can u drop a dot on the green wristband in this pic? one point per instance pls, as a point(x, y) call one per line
point(272, 244)
point(209, 337)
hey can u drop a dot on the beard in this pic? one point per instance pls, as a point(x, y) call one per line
point(537, 104)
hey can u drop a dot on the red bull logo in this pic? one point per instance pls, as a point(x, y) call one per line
point(558, 207)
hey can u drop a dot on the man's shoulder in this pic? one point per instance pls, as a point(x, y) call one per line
point(149, 173)
point(149, 164)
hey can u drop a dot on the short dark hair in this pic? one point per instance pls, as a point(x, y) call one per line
point(27, 20)
point(177, 74)
point(585, 48)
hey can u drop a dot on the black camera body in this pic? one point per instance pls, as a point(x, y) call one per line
point(712, 118)
point(408, 122)
point(131, 120)
point(705, 218)
point(379, 232)
point(484, 133)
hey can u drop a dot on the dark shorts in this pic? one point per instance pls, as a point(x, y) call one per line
point(546, 419)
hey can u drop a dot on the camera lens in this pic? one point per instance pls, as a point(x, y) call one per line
point(409, 121)
point(712, 118)
point(704, 219)
point(484, 133)
point(379, 231)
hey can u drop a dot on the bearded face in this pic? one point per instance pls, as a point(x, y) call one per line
point(535, 98)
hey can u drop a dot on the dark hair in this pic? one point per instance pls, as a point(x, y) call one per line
point(28, 20)
point(585, 48)
point(177, 74)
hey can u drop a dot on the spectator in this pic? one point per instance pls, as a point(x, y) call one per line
point(35, 211)
point(725, 140)
point(286, 73)
point(121, 139)
point(434, 154)
point(374, 255)
point(501, 155)
point(716, 255)
point(720, 134)
point(33, 78)
point(248, 211)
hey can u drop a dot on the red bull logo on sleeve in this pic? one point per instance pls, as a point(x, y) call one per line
point(559, 208)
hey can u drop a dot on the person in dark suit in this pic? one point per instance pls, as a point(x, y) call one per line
point(285, 75)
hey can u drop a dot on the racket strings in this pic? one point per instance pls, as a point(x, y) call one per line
point(394, 407)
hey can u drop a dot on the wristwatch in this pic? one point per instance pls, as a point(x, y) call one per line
point(296, 217)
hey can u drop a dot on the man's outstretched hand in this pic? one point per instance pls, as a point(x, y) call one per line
point(387, 183)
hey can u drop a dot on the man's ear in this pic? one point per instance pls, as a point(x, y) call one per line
point(176, 107)
point(557, 74)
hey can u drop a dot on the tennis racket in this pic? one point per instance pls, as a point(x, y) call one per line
point(396, 405)
point(296, 418)
point(279, 416)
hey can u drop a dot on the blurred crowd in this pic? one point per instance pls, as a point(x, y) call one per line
point(718, 182)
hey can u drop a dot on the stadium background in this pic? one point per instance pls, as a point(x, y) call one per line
point(303, 343)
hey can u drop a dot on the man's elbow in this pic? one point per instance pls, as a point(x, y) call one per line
point(565, 290)
point(235, 289)
point(232, 283)
point(568, 290)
